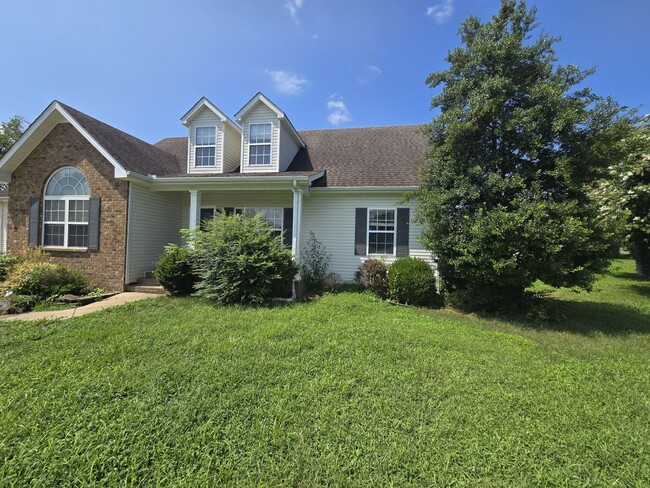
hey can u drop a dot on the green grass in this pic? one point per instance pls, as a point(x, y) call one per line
point(344, 390)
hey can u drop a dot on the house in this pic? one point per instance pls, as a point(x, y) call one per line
point(104, 201)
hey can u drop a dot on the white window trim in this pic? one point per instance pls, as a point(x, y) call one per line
point(198, 146)
point(257, 209)
point(394, 232)
point(270, 144)
point(66, 223)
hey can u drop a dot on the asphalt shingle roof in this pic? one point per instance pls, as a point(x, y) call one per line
point(132, 153)
point(368, 156)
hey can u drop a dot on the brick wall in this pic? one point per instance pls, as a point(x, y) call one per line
point(64, 146)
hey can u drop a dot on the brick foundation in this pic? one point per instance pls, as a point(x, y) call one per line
point(64, 146)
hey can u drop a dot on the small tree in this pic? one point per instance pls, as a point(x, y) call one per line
point(314, 264)
point(238, 259)
point(10, 132)
point(624, 196)
point(505, 192)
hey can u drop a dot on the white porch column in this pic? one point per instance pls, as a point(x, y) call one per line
point(195, 208)
point(297, 219)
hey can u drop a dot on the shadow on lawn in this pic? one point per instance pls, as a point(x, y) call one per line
point(583, 317)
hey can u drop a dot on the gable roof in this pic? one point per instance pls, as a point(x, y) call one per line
point(125, 152)
point(362, 157)
point(204, 102)
point(132, 153)
point(261, 98)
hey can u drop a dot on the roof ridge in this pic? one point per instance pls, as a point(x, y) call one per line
point(332, 129)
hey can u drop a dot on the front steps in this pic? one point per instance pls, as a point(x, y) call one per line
point(148, 284)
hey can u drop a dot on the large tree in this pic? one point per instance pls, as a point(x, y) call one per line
point(10, 132)
point(516, 145)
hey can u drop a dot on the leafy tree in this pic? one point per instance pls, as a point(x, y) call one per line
point(518, 141)
point(625, 196)
point(10, 132)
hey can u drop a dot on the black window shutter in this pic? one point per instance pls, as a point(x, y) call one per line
point(229, 210)
point(360, 231)
point(403, 216)
point(287, 223)
point(93, 224)
point(34, 220)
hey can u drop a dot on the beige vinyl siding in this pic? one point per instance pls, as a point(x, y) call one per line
point(154, 221)
point(288, 148)
point(206, 118)
point(231, 149)
point(261, 114)
point(331, 217)
point(247, 199)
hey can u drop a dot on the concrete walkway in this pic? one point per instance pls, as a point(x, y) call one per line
point(113, 301)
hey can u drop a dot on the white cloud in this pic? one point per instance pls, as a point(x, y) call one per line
point(285, 82)
point(338, 111)
point(369, 73)
point(314, 37)
point(441, 12)
point(293, 6)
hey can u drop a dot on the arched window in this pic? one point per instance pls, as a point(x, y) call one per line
point(66, 210)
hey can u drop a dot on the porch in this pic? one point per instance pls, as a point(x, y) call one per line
point(158, 213)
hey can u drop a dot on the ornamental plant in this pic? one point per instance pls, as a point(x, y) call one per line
point(238, 259)
point(411, 281)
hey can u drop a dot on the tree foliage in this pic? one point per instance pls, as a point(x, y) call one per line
point(517, 143)
point(10, 132)
point(624, 195)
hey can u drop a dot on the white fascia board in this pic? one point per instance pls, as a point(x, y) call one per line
point(6, 160)
point(8, 164)
point(204, 102)
point(364, 189)
point(259, 97)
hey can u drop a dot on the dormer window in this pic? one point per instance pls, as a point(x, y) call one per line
point(205, 146)
point(259, 141)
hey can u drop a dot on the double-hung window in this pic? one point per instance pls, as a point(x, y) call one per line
point(205, 144)
point(274, 216)
point(259, 144)
point(381, 231)
point(66, 210)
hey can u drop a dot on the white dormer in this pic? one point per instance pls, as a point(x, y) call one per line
point(213, 139)
point(269, 141)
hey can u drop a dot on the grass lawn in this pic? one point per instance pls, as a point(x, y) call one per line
point(345, 390)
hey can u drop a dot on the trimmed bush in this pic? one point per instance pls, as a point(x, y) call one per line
point(373, 275)
point(411, 281)
point(174, 271)
point(314, 264)
point(45, 280)
point(239, 260)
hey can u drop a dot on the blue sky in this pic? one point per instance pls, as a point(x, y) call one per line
point(141, 64)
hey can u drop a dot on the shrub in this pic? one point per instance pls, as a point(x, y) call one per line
point(411, 281)
point(20, 304)
point(6, 262)
point(238, 259)
point(373, 275)
point(314, 263)
point(174, 271)
point(32, 274)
